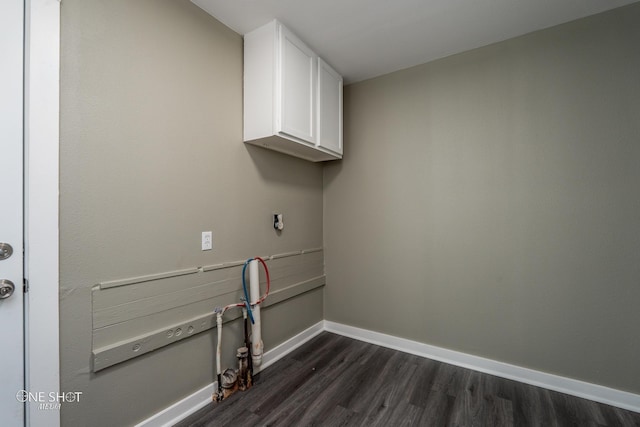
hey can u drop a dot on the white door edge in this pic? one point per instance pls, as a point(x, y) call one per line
point(42, 89)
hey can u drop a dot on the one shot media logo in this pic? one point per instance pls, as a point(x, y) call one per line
point(48, 400)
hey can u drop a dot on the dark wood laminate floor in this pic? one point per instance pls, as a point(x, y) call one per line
point(338, 381)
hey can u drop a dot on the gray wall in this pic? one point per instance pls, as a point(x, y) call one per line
point(489, 202)
point(151, 155)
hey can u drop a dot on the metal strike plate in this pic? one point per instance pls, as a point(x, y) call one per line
point(6, 288)
point(5, 251)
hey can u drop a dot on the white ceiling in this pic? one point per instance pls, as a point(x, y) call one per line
point(368, 38)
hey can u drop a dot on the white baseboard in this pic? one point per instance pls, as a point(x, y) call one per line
point(621, 399)
point(272, 356)
point(190, 404)
point(180, 410)
point(598, 393)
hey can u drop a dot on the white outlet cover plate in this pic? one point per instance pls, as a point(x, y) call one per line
point(207, 240)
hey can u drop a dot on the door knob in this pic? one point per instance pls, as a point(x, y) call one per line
point(6, 288)
point(5, 251)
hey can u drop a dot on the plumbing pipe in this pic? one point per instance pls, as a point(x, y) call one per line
point(244, 376)
point(256, 334)
point(228, 381)
point(244, 289)
point(266, 272)
point(247, 343)
point(219, 352)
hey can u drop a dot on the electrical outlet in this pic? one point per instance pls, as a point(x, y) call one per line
point(207, 241)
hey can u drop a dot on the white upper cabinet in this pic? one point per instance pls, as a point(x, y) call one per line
point(298, 79)
point(329, 108)
point(292, 98)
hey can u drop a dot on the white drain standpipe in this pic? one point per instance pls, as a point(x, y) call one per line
point(257, 346)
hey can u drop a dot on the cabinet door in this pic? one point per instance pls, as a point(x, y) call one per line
point(297, 88)
point(329, 108)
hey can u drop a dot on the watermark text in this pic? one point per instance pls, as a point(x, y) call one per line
point(48, 400)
